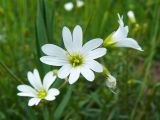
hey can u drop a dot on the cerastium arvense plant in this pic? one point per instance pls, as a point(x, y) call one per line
point(75, 60)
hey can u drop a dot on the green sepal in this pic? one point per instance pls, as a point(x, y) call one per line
point(109, 42)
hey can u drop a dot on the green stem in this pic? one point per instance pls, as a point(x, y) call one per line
point(105, 71)
point(63, 84)
point(10, 72)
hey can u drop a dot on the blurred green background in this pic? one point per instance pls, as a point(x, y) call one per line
point(25, 25)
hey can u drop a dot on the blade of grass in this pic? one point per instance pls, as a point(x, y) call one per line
point(48, 20)
point(46, 114)
point(10, 72)
point(60, 109)
point(41, 37)
point(148, 63)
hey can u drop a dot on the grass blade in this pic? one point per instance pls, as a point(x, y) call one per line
point(60, 109)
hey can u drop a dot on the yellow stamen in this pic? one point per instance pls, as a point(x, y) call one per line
point(42, 94)
point(75, 59)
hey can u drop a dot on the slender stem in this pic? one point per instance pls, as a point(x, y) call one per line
point(10, 72)
point(66, 79)
point(105, 71)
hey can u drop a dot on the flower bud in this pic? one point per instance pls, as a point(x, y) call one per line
point(68, 6)
point(55, 72)
point(111, 82)
point(80, 3)
point(131, 16)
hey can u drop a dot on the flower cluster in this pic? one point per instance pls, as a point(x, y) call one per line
point(75, 60)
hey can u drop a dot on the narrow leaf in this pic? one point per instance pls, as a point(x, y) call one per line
point(60, 109)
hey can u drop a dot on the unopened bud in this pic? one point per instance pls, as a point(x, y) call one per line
point(131, 16)
point(68, 6)
point(111, 82)
point(55, 72)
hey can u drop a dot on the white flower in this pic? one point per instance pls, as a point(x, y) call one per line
point(119, 38)
point(80, 3)
point(111, 82)
point(68, 6)
point(131, 16)
point(38, 90)
point(77, 59)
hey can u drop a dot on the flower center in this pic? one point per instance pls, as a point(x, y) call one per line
point(76, 60)
point(42, 94)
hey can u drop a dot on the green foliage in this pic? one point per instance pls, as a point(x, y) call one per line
point(41, 33)
point(61, 107)
point(26, 25)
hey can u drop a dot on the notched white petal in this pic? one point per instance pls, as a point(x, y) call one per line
point(53, 50)
point(99, 52)
point(32, 80)
point(26, 94)
point(26, 88)
point(74, 75)
point(95, 66)
point(64, 71)
point(121, 33)
point(33, 101)
point(48, 80)
point(129, 42)
point(53, 61)
point(67, 39)
point(37, 78)
point(77, 37)
point(87, 73)
point(52, 93)
point(91, 45)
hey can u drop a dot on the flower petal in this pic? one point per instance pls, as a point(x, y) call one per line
point(87, 73)
point(74, 75)
point(99, 52)
point(37, 78)
point(48, 80)
point(91, 45)
point(67, 39)
point(26, 89)
point(120, 21)
point(53, 61)
point(51, 94)
point(33, 81)
point(34, 101)
point(77, 37)
point(53, 50)
point(95, 66)
point(120, 34)
point(26, 94)
point(129, 42)
point(50, 97)
point(64, 71)
point(122, 31)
